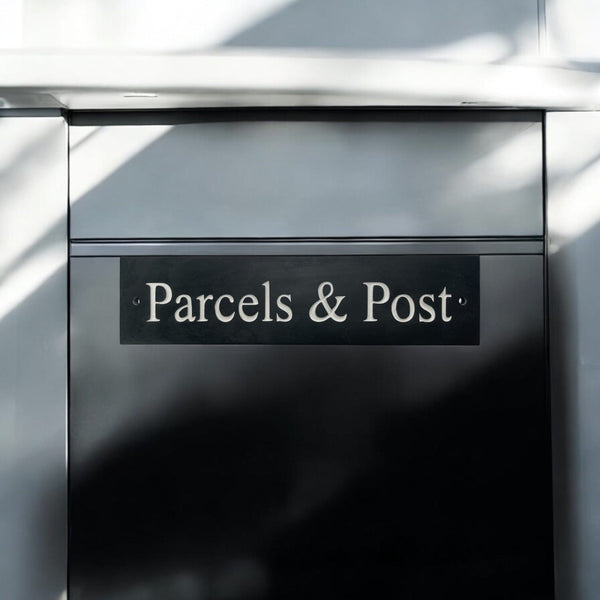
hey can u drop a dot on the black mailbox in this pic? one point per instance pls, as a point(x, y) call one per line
point(308, 358)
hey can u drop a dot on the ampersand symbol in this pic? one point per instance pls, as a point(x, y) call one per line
point(322, 301)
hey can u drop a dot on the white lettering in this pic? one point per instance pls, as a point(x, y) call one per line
point(444, 297)
point(187, 308)
point(411, 308)
point(202, 300)
point(427, 308)
point(153, 301)
point(285, 308)
point(267, 286)
point(371, 298)
point(325, 291)
point(223, 318)
point(248, 300)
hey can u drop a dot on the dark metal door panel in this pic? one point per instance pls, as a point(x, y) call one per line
point(266, 472)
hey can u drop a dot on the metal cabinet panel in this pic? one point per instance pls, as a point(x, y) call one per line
point(282, 174)
point(311, 471)
point(33, 356)
point(573, 142)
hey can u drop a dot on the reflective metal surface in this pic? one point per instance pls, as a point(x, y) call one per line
point(308, 173)
point(178, 247)
point(33, 356)
point(573, 142)
point(311, 471)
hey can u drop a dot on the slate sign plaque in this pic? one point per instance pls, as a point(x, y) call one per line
point(370, 300)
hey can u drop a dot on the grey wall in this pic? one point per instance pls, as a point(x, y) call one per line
point(573, 143)
point(33, 357)
point(453, 27)
point(463, 29)
point(570, 34)
point(472, 29)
